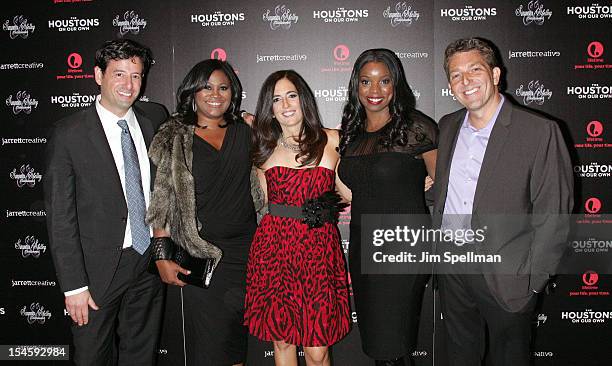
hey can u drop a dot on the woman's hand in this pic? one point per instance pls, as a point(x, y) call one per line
point(428, 183)
point(168, 271)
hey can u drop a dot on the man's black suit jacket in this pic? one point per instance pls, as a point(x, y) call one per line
point(85, 205)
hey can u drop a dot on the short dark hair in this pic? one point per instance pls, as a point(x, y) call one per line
point(485, 48)
point(267, 130)
point(123, 49)
point(196, 79)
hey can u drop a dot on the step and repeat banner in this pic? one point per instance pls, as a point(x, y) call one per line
point(558, 61)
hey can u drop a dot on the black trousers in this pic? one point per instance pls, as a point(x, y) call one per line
point(125, 330)
point(471, 312)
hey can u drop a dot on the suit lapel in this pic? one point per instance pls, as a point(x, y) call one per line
point(495, 146)
point(98, 141)
point(445, 157)
point(146, 126)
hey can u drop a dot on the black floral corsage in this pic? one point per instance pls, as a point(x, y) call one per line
point(325, 208)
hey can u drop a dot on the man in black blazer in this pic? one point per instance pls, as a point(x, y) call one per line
point(96, 165)
point(507, 169)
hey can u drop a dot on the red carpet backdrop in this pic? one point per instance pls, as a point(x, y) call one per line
point(558, 59)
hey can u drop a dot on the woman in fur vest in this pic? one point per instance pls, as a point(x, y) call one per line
point(202, 203)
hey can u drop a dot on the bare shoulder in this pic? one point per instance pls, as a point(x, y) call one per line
point(333, 135)
point(330, 156)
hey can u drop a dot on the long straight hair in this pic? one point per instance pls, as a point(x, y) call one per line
point(312, 139)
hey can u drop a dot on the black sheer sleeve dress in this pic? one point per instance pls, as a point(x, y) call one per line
point(387, 180)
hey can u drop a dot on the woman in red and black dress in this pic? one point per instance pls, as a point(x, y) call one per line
point(296, 276)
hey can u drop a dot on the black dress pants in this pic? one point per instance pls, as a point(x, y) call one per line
point(471, 312)
point(125, 330)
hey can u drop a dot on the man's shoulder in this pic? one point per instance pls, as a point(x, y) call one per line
point(74, 121)
point(529, 119)
point(527, 113)
point(155, 112)
point(452, 117)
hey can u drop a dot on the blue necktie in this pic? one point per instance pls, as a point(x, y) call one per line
point(133, 190)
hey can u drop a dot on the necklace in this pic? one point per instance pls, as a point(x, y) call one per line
point(288, 146)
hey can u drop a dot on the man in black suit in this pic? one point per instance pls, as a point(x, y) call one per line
point(494, 159)
point(97, 186)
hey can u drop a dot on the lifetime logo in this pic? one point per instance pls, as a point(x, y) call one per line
point(595, 49)
point(592, 205)
point(218, 54)
point(594, 128)
point(594, 59)
point(341, 52)
point(74, 60)
point(590, 278)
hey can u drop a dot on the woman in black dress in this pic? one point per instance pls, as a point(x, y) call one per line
point(202, 199)
point(387, 148)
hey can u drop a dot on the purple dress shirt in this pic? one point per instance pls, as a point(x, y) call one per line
point(464, 171)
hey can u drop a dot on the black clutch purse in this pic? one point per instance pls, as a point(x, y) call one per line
point(201, 268)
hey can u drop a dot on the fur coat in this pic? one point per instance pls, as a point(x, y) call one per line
point(173, 205)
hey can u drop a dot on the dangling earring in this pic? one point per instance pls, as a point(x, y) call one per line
point(194, 106)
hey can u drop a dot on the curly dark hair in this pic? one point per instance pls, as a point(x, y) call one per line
point(401, 106)
point(196, 79)
point(123, 49)
point(267, 131)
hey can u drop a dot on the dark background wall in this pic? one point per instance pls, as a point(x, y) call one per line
point(557, 62)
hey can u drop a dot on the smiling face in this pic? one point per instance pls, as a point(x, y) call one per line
point(474, 83)
point(215, 98)
point(119, 84)
point(286, 104)
point(375, 87)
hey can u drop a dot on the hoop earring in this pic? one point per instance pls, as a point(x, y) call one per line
point(194, 106)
